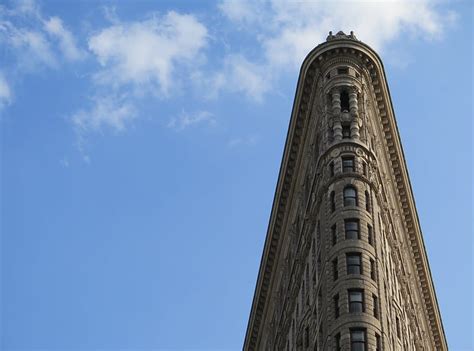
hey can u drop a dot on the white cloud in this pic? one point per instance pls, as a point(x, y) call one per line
point(288, 30)
point(237, 75)
point(54, 26)
point(243, 141)
point(106, 112)
point(146, 53)
point(185, 120)
point(5, 91)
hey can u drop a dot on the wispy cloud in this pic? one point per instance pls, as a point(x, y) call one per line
point(243, 141)
point(185, 120)
point(5, 91)
point(67, 43)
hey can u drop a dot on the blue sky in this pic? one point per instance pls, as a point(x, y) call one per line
point(140, 147)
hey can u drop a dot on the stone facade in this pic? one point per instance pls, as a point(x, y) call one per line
point(344, 265)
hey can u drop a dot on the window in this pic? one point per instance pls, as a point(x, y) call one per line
point(350, 196)
point(331, 169)
point(354, 263)
point(358, 337)
point(343, 70)
point(370, 235)
point(336, 306)
point(372, 269)
point(335, 273)
point(346, 131)
point(333, 201)
point(376, 306)
point(398, 326)
point(334, 234)
point(348, 164)
point(344, 101)
point(356, 301)
point(378, 343)
point(364, 168)
point(367, 201)
point(337, 342)
point(351, 227)
point(306, 336)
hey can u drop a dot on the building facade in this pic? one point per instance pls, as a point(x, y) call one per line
point(344, 265)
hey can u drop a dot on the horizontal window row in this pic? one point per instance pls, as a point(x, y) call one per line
point(352, 231)
point(350, 198)
point(358, 340)
point(353, 265)
point(356, 303)
point(348, 165)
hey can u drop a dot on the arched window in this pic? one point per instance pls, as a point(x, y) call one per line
point(333, 201)
point(350, 196)
point(367, 201)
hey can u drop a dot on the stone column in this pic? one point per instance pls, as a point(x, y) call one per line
point(336, 115)
point(354, 110)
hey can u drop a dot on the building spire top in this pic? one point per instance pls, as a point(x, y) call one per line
point(340, 35)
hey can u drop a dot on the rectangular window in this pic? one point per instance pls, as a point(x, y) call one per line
point(346, 131)
point(354, 263)
point(378, 343)
point(376, 306)
point(398, 327)
point(335, 271)
point(348, 164)
point(364, 168)
point(358, 340)
point(372, 269)
point(337, 342)
point(334, 234)
point(352, 228)
point(343, 70)
point(336, 306)
point(356, 301)
point(331, 169)
point(370, 235)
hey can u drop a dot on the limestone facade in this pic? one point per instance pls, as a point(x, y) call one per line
point(344, 265)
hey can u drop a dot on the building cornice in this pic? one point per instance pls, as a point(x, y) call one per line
point(287, 177)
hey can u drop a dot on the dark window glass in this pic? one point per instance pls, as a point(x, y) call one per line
point(331, 169)
point(364, 168)
point(367, 201)
point(356, 301)
point(348, 164)
point(342, 70)
point(372, 269)
point(333, 201)
point(378, 343)
point(376, 306)
point(306, 337)
point(337, 342)
point(334, 269)
point(398, 327)
point(351, 228)
point(350, 196)
point(358, 338)
point(370, 235)
point(336, 305)
point(334, 234)
point(344, 101)
point(346, 131)
point(354, 263)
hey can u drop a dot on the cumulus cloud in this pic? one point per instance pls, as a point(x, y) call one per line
point(147, 53)
point(185, 120)
point(289, 30)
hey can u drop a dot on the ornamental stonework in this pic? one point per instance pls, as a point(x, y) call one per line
point(344, 266)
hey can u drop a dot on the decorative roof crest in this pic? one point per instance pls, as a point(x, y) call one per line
point(341, 35)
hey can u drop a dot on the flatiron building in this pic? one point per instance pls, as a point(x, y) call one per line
point(344, 266)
